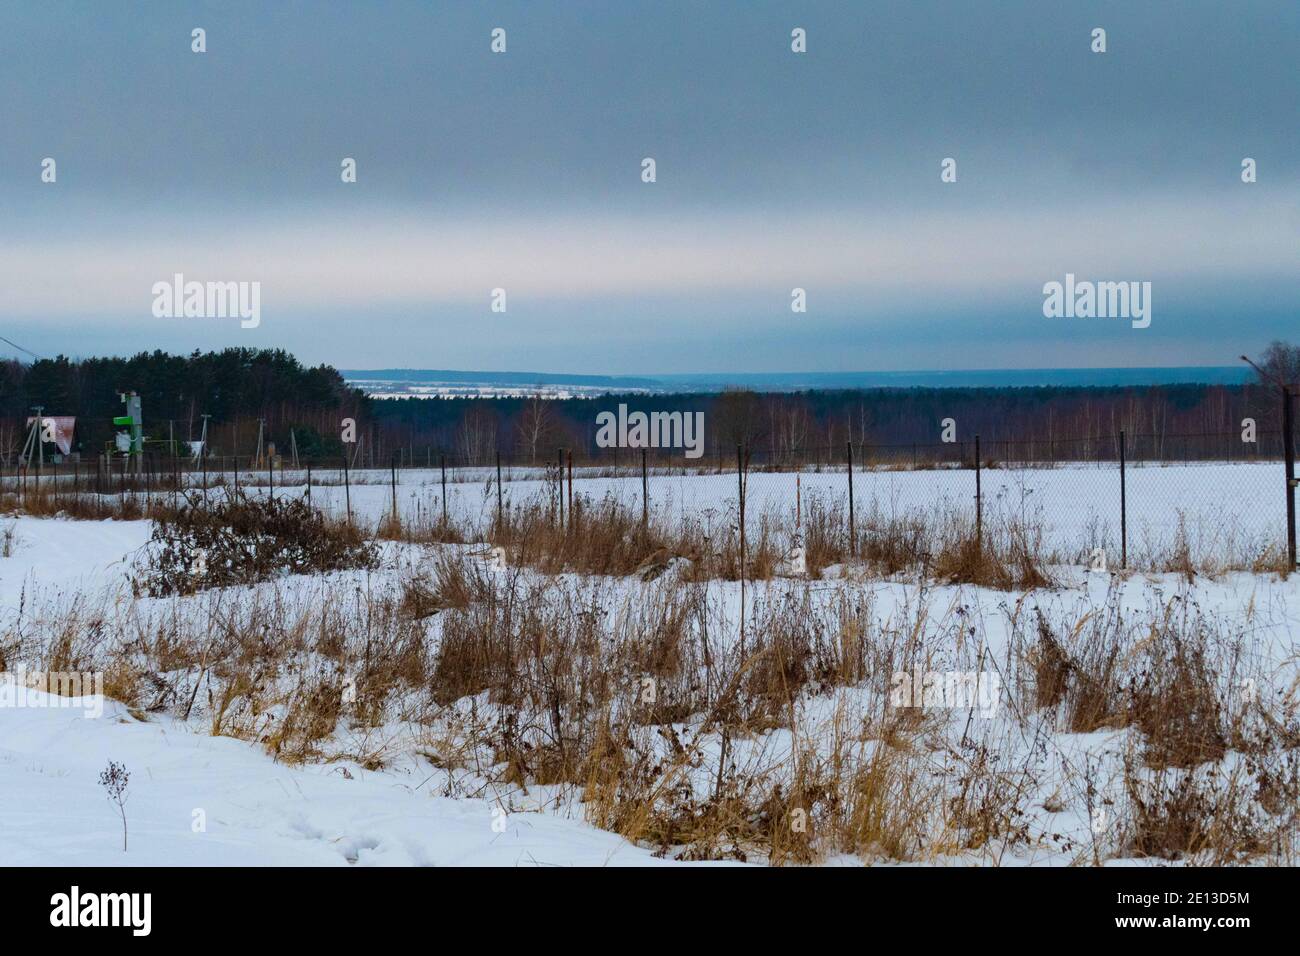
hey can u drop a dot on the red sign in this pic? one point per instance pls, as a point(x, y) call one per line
point(57, 429)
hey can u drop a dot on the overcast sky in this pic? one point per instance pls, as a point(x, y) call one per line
point(775, 170)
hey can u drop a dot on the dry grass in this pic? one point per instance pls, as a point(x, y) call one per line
point(643, 706)
point(608, 536)
point(691, 762)
point(611, 536)
point(206, 543)
point(1207, 815)
point(50, 503)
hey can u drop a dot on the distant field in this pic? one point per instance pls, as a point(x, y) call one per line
point(1220, 509)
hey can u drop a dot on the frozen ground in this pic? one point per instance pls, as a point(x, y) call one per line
point(1220, 509)
point(197, 800)
point(254, 811)
point(257, 811)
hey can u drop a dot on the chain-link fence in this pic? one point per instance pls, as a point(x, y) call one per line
point(1148, 501)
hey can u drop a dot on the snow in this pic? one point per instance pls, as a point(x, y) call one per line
point(50, 555)
point(258, 811)
point(1220, 508)
point(255, 812)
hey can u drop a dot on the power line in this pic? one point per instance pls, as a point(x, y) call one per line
point(20, 348)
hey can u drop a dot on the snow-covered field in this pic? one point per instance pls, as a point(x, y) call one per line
point(1218, 509)
point(197, 799)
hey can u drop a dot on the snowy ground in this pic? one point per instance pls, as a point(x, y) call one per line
point(1222, 509)
point(197, 800)
point(1230, 512)
point(254, 810)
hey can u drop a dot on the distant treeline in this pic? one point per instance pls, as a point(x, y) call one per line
point(807, 424)
point(238, 388)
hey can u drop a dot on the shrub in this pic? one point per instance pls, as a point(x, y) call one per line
point(241, 540)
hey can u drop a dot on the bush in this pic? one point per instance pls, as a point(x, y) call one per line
point(243, 540)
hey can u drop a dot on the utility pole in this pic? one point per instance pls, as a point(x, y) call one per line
point(261, 426)
point(40, 445)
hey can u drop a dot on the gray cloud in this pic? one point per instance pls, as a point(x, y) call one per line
point(775, 170)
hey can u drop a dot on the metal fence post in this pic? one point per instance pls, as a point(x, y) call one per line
point(1123, 503)
point(499, 498)
point(442, 464)
point(392, 465)
point(1288, 455)
point(645, 492)
point(559, 484)
point(853, 533)
point(347, 487)
point(740, 480)
point(979, 501)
